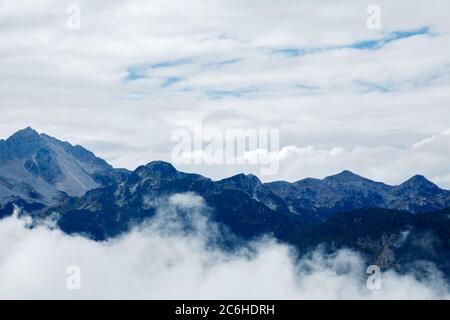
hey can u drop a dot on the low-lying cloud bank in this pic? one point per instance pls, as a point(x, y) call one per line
point(172, 257)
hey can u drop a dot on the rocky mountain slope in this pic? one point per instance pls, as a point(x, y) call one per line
point(38, 168)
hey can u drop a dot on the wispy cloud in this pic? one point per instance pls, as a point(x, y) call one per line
point(315, 72)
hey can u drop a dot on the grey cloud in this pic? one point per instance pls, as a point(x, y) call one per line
point(69, 84)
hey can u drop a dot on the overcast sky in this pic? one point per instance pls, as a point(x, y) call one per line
point(342, 95)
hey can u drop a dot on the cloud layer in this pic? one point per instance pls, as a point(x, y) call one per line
point(311, 70)
point(166, 260)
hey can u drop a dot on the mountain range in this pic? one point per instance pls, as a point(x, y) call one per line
point(45, 176)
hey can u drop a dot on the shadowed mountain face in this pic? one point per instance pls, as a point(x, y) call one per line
point(137, 196)
point(38, 168)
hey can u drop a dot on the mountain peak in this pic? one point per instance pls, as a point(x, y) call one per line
point(419, 181)
point(346, 174)
point(24, 142)
point(28, 132)
point(241, 177)
point(44, 167)
point(28, 129)
point(159, 165)
point(158, 169)
point(254, 178)
point(248, 183)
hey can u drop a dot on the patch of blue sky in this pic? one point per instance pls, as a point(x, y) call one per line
point(229, 61)
point(368, 86)
point(297, 52)
point(141, 71)
point(170, 81)
point(135, 73)
point(366, 44)
point(391, 37)
point(174, 63)
point(411, 33)
point(370, 44)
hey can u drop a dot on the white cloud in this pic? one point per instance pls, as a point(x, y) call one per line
point(163, 261)
point(392, 165)
point(387, 164)
point(70, 84)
